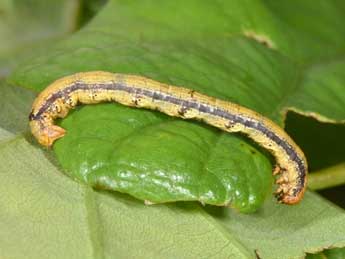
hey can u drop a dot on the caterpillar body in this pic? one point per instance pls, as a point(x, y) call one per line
point(137, 91)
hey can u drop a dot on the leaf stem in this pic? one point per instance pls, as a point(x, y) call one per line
point(328, 177)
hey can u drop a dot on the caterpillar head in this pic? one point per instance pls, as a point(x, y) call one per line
point(45, 131)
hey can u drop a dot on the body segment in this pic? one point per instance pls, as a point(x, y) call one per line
point(94, 87)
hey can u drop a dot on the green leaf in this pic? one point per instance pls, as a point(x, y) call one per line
point(322, 85)
point(336, 253)
point(159, 159)
point(25, 25)
point(45, 214)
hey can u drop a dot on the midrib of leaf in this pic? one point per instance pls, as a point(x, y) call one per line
point(94, 224)
point(205, 162)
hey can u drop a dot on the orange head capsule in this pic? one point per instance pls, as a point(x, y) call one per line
point(46, 133)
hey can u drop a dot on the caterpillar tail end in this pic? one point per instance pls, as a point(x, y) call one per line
point(290, 196)
point(46, 134)
point(293, 199)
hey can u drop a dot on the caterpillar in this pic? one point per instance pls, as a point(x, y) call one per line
point(137, 91)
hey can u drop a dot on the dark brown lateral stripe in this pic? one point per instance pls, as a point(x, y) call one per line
point(215, 111)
